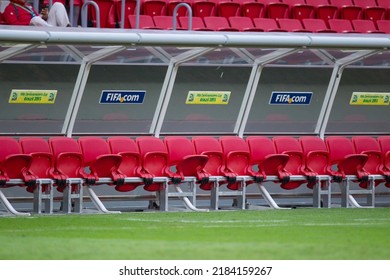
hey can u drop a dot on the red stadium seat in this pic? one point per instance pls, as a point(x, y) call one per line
point(364, 26)
point(182, 10)
point(165, 22)
point(100, 161)
point(341, 26)
point(228, 9)
point(145, 22)
point(291, 147)
point(197, 24)
point(384, 143)
point(130, 9)
point(276, 9)
point(252, 9)
point(182, 155)
point(154, 7)
point(383, 26)
point(324, 10)
point(347, 9)
point(299, 9)
point(108, 13)
point(204, 8)
point(316, 25)
point(243, 24)
point(371, 10)
point(218, 24)
point(131, 163)
point(369, 146)
point(267, 24)
point(291, 25)
point(155, 162)
point(14, 164)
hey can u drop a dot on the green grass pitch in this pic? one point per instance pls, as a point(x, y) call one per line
point(296, 234)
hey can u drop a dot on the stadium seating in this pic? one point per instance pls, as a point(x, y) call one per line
point(181, 12)
point(383, 26)
point(371, 10)
point(130, 165)
point(276, 10)
point(350, 166)
point(384, 143)
point(291, 25)
point(290, 146)
point(324, 10)
point(252, 9)
point(243, 24)
point(365, 26)
point(299, 9)
point(108, 14)
point(197, 24)
point(154, 7)
point(204, 8)
point(228, 9)
point(341, 25)
point(267, 24)
point(218, 24)
point(145, 22)
point(130, 9)
point(165, 22)
point(316, 25)
point(347, 9)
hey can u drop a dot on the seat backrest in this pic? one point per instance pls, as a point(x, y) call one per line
point(240, 161)
point(165, 22)
point(364, 26)
point(384, 143)
point(383, 26)
point(315, 25)
point(324, 10)
point(154, 154)
point(252, 9)
point(370, 146)
point(218, 23)
point(92, 147)
point(178, 147)
point(128, 149)
point(130, 9)
point(299, 9)
point(260, 147)
point(339, 147)
point(10, 148)
point(291, 25)
point(278, 10)
point(210, 146)
point(267, 24)
point(108, 13)
point(197, 23)
point(182, 11)
point(290, 145)
point(341, 25)
point(67, 155)
point(204, 8)
point(242, 23)
point(228, 9)
point(42, 159)
point(154, 7)
point(315, 152)
point(145, 22)
point(347, 9)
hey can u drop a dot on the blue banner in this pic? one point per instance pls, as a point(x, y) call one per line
point(290, 98)
point(122, 97)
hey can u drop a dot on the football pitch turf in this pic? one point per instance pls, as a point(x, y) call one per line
point(296, 234)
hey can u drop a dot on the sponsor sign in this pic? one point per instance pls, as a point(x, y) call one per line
point(32, 96)
point(208, 97)
point(370, 98)
point(122, 97)
point(290, 98)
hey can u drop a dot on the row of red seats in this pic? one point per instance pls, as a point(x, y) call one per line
point(117, 158)
point(296, 9)
point(242, 24)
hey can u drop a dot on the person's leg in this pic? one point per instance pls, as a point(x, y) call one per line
point(38, 21)
point(58, 15)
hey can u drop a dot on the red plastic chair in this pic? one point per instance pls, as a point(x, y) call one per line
point(383, 26)
point(263, 154)
point(204, 8)
point(145, 22)
point(209, 146)
point(371, 10)
point(243, 24)
point(131, 163)
point(276, 9)
point(324, 10)
point(341, 26)
point(253, 9)
point(100, 161)
point(182, 11)
point(343, 156)
point(369, 146)
point(14, 164)
point(155, 162)
point(130, 9)
point(384, 143)
point(295, 166)
point(197, 24)
point(299, 9)
point(228, 9)
point(154, 7)
point(316, 25)
point(347, 9)
point(267, 24)
point(165, 22)
point(108, 13)
point(291, 25)
point(218, 24)
point(237, 161)
point(182, 156)
point(365, 26)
